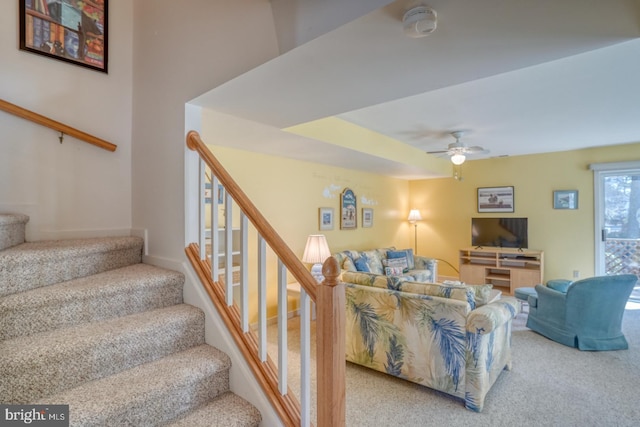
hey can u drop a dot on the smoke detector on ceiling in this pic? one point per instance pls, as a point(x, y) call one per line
point(419, 21)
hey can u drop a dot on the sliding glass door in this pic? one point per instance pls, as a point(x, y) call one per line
point(618, 219)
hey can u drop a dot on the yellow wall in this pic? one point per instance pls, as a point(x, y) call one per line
point(566, 236)
point(289, 193)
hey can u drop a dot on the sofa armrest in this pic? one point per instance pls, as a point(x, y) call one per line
point(424, 263)
point(486, 319)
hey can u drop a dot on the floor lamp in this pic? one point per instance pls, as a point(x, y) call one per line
point(414, 217)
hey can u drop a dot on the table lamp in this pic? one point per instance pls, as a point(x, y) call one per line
point(316, 252)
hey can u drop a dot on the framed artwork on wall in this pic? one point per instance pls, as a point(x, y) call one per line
point(367, 217)
point(495, 199)
point(325, 219)
point(348, 210)
point(208, 192)
point(565, 199)
point(70, 31)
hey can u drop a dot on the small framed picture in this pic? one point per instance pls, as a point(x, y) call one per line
point(367, 217)
point(325, 219)
point(495, 199)
point(565, 199)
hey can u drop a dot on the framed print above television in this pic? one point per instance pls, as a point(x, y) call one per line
point(495, 199)
point(68, 30)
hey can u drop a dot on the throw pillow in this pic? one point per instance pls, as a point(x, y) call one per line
point(397, 262)
point(407, 253)
point(348, 265)
point(362, 264)
point(393, 271)
point(374, 259)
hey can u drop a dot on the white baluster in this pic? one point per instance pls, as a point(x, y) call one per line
point(262, 297)
point(305, 359)
point(215, 244)
point(228, 247)
point(201, 215)
point(244, 273)
point(282, 327)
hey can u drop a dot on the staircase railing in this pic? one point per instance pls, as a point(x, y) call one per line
point(52, 124)
point(328, 295)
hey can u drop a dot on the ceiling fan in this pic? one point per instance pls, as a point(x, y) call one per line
point(458, 151)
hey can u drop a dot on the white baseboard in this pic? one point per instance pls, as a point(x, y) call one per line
point(144, 234)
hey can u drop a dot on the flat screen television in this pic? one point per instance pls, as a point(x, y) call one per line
point(499, 232)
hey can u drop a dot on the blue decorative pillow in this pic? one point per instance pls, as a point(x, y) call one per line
point(362, 264)
point(408, 253)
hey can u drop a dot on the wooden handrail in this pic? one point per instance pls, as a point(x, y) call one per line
point(52, 124)
point(294, 265)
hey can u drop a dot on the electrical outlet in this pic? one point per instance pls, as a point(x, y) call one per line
point(576, 274)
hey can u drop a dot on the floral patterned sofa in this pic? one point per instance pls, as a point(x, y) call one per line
point(451, 338)
point(377, 261)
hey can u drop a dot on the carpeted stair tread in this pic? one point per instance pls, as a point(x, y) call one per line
point(12, 229)
point(34, 264)
point(227, 410)
point(40, 364)
point(103, 296)
point(150, 394)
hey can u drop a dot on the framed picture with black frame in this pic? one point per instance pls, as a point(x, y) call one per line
point(67, 30)
point(496, 199)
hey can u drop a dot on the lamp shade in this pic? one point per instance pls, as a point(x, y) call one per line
point(317, 249)
point(414, 215)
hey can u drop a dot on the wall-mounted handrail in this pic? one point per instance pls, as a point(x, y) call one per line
point(52, 124)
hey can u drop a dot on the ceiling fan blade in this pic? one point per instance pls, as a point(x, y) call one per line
point(438, 152)
point(476, 150)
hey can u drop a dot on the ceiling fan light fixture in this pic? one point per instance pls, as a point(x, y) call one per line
point(458, 159)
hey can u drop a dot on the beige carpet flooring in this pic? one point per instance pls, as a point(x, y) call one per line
point(550, 385)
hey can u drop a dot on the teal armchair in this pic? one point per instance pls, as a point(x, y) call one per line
point(588, 316)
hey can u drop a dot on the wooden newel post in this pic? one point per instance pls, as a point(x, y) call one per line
point(330, 336)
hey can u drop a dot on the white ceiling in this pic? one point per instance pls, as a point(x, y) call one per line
point(518, 76)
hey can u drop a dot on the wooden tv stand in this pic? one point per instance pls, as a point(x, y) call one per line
point(505, 268)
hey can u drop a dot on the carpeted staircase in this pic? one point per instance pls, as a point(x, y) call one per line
point(85, 323)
